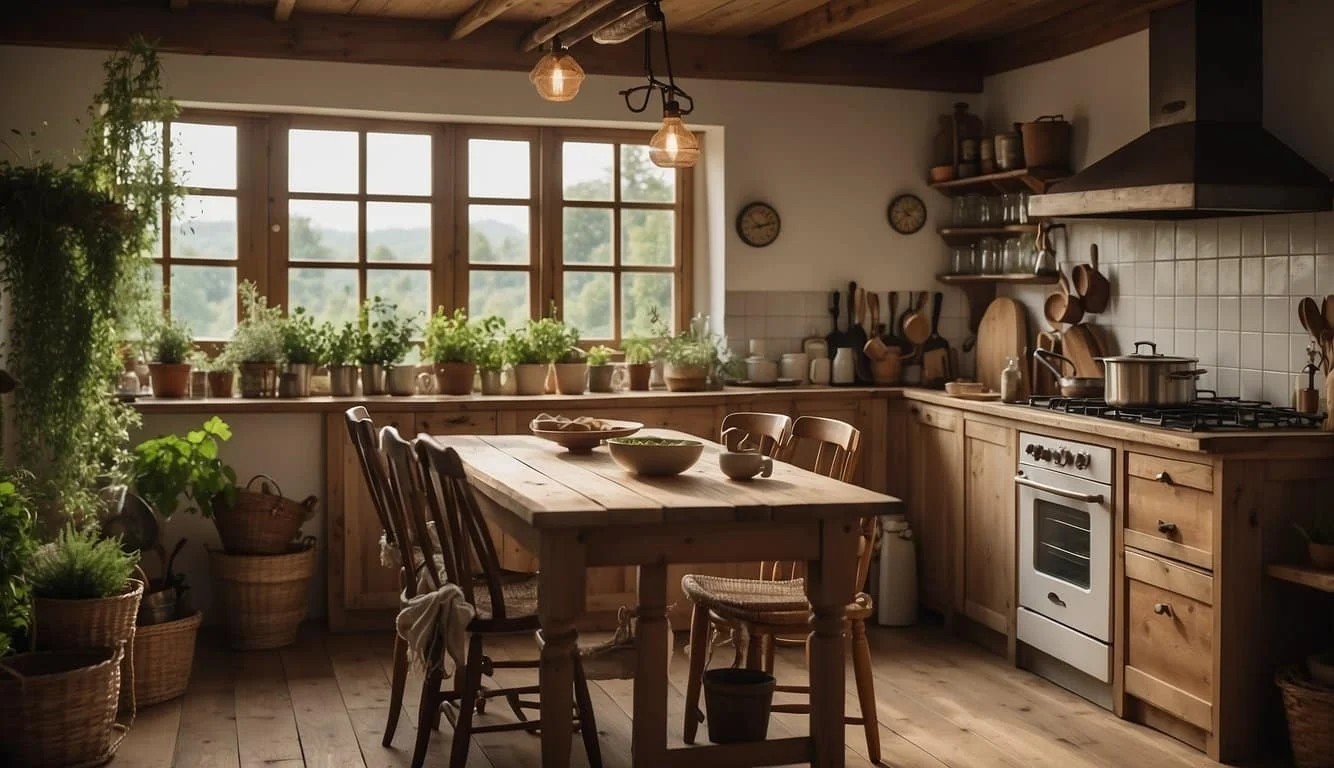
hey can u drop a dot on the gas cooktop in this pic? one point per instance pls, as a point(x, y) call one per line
point(1211, 413)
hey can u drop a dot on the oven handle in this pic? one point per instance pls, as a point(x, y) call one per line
point(1091, 498)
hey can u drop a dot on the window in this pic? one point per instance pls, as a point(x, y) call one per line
point(499, 205)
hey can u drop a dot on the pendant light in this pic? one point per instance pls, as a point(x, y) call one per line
point(557, 76)
point(673, 146)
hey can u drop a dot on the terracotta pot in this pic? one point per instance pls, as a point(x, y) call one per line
point(599, 377)
point(454, 378)
point(170, 379)
point(220, 383)
point(1322, 555)
point(641, 374)
point(493, 382)
point(685, 378)
point(571, 378)
point(259, 379)
point(343, 380)
point(530, 378)
point(295, 381)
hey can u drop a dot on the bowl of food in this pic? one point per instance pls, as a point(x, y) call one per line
point(581, 434)
point(655, 456)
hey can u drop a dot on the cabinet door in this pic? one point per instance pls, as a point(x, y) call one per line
point(366, 584)
point(935, 467)
point(985, 584)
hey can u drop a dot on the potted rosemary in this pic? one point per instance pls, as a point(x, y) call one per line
point(301, 344)
point(169, 344)
point(338, 353)
point(639, 354)
point(453, 344)
point(600, 369)
point(257, 343)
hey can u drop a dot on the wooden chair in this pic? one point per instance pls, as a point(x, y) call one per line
point(428, 484)
point(362, 431)
point(762, 610)
point(767, 431)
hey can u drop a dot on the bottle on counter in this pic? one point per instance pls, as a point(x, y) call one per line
point(1011, 382)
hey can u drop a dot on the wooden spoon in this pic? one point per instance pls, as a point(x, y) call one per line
point(1328, 310)
point(916, 326)
point(1310, 316)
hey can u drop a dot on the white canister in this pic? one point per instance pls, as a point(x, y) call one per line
point(820, 371)
point(795, 365)
point(896, 598)
point(756, 348)
point(845, 371)
point(761, 371)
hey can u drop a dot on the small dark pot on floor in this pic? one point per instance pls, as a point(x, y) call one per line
point(738, 703)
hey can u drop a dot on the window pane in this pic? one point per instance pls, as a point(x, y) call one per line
point(321, 230)
point(398, 232)
point(410, 289)
point(642, 181)
point(206, 229)
point(640, 293)
point(398, 164)
point(204, 155)
point(498, 234)
point(587, 171)
point(498, 293)
point(647, 238)
point(586, 236)
point(327, 294)
point(498, 168)
point(588, 303)
point(204, 298)
point(322, 161)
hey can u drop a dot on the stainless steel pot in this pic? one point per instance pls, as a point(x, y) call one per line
point(1070, 386)
point(1150, 380)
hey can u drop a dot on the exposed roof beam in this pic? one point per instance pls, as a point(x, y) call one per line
point(604, 18)
point(1084, 27)
point(479, 14)
point(624, 28)
point(836, 17)
point(566, 19)
point(282, 11)
point(249, 31)
point(964, 18)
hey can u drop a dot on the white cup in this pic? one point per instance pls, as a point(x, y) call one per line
point(744, 465)
point(795, 365)
point(820, 371)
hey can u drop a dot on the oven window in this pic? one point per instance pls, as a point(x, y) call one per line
point(1062, 547)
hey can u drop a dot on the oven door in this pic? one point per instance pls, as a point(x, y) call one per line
point(1065, 548)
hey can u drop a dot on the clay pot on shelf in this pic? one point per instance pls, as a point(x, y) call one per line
point(220, 383)
point(170, 379)
point(641, 376)
point(259, 379)
point(600, 377)
point(685, 378)
point(343, 380)
point(530, 378)
point(571, 378)
point(455, 378)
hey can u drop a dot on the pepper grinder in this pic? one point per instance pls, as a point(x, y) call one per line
point(1307, 399)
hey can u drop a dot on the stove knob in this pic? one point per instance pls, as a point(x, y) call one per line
point(1083, 460)
point(1031, 450)
point(1046, 454)
point(1064, 458)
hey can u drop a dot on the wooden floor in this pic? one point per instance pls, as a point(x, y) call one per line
point(322, 703)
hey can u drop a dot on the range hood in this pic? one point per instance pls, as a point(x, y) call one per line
point(1206, 153)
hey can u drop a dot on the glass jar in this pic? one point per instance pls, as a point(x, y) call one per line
point(1028, 251)
point(1012, 256)
point(963, 260)
point(988, 256)
point(959, 211)
point(986, 211)
point(1021, 208)
point(1010, 208)
point(972, 210)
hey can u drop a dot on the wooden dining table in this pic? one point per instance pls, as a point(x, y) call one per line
point(581, 510)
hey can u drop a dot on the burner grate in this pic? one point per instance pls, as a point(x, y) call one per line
point(1205, 414)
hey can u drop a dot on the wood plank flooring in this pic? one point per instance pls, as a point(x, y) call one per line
point(942, 703)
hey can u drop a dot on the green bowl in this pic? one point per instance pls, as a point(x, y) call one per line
point(654, 456)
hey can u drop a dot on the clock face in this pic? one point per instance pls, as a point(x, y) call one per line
point(758, 224)
point(907, 214)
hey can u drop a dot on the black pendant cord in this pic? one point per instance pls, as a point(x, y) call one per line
point(673, 98)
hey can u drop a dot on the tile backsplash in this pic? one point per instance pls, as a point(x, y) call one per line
point(1223, 290)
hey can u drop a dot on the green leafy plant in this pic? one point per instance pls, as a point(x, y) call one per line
point(337, 344)
point(80, 565)
point(170, 467)
point(301, 339)
point(17, 541)
point(600, 355)
point(453, 338)
point(259, 336)
point(385, 335)
point(697, 346)
point(573, 356)
point(639, 350)
point(1321, 529)
point(491, 346)
point(170, 341)
point(550, 339)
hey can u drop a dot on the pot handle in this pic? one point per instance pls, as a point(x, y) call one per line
point(1195, 374)
point(1151, 345)
point(1050, 118)
point(1042, 355)
point(264, 486)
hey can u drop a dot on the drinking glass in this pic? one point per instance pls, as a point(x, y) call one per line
point(988, 256)
point(1011, 256)
point(1021, 208)
point(960, 211)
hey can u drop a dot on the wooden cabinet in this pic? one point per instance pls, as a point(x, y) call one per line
point(985, 550)
point(935, 498)
point(1170, 508)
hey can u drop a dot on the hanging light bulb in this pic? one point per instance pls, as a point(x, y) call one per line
point(673, 146)
point(557, 76)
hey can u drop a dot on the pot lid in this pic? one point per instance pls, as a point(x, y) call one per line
point(1150, 357)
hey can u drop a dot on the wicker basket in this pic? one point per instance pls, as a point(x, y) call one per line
point(261, 522)
point(164, 654)
point(104, 622)
point(1310, 710)
point(262, 598)
point(59, 708)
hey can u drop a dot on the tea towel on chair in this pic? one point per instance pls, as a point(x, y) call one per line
point(435, 626)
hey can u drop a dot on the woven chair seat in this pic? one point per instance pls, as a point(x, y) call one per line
point(762, 602)
point(520, 594)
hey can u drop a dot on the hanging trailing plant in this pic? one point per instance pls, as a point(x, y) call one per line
point(74, 243)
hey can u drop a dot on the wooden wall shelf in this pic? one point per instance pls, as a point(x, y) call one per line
point(1304, 575)
point(965, 235)
point(1035, 180)
point(980, 290)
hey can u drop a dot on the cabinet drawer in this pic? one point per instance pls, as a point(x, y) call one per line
point(1170, 472)
point(940, 418)
point(1170, 638)
point(1168, 519)
point(457, 423)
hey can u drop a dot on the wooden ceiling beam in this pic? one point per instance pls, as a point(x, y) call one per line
point(968, 19)
point(482, 12)
point(556, 25)
point(282, 10)
point(244, 30)
point(625, 28)
point(609, 16)
point(1085, 27)
point(834, 18)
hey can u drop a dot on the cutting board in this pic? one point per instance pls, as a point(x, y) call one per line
point(1083, 347)
point(1002, 334)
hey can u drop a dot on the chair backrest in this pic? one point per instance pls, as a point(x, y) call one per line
point(768, 431)
point(407, 508)
point(452, 505)
point(362, 431)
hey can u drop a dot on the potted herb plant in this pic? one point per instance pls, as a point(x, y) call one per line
point(385, 340)
point(639, 354)
point(301, 344)
point(572, 369)
point(257, 343)
point(491, 355)
point(221, 374)
point(453, 344)
point(338, 353)
point(169, 345)
point(1319, 537)
point(600, 369)
point(530, 372)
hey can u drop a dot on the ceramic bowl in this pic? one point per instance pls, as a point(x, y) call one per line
point(964, 387)
point(583, 441)
point(654, 456)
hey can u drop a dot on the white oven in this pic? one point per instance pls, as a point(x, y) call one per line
point(1065, 551)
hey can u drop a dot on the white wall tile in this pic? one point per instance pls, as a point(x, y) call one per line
point(1229, 313)
point(1206, 313)
point(1277, 310)
point(1252, 385)
point(1206, 278)
point(1184, 284)
point(1229, 349)
point(1229, 238)
point(1164, 241)
point(1164, 278)
point(1206, 347)
point(1276, 234)
point(1276, 275)
point(1252, 236)
point(1301, 228)
point(1324, 274)
point(1229, 277)
point(1252, 351)
point(1252, 276)
point(1184, 312)
point(1145, 273)
point(1227, 382)
point(1275, 351)
point(1301, 275)
point(1324, 232)
point(1185, 248)
point(1252, 313)
point(1184, 343)
point(1206, 239)
point(1277, 388)
point(1164, 312)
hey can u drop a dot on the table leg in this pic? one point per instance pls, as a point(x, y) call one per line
point(649, 735)
point(829, 588)
point(560, 601)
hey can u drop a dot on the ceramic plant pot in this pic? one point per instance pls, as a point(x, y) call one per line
point(220, 383)
point(454, 378)
point(401, 380)
point(295, 381)
point(571, 378)
point(170, 379)
point(372, 379)
point(599, 377)
point(343, 380)
point(259, 379)
point(641, 376)
point(685, 378)
point(493, 382)
point(530, 378)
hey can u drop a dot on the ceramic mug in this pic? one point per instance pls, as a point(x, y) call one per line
point(743, 465)
point(820, 371)
point(426, 383)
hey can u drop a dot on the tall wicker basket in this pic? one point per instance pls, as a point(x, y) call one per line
point(1310, 710)
point(59, 708)
point(105, 622)
point(262, 598)
point(262, 522)
point(164, 654)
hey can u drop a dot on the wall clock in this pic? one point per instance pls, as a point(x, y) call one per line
point(758, 224)
point(907, 214)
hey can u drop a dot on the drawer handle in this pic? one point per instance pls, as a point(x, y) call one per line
point(1166, 528)
point(1055, 598)
point(1162, 609)
point(1163, 478)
